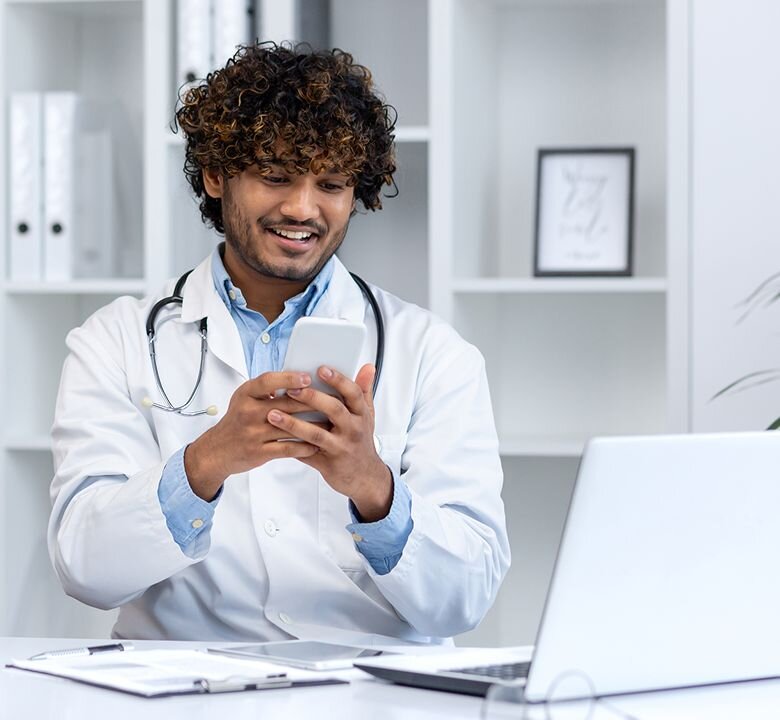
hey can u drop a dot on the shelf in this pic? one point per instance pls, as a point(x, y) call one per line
point(117, 286)
point(467, 286)
point(412, 133)
point(30, 443)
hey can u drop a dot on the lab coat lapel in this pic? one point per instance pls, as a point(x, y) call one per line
point(343, 299)
point(200, 299)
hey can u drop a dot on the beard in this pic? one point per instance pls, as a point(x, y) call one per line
point(239, 233)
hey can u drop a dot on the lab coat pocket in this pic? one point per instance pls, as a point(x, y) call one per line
point(391, 449)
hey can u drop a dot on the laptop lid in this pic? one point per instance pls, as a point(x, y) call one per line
point(667, 570)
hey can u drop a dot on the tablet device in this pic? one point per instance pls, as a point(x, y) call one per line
point(307, 654)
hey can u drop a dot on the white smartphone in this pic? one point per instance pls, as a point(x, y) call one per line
point(317, 341)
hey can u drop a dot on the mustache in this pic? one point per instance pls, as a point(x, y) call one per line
point(310, 225)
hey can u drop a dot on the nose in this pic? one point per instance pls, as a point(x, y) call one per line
point(300, 201)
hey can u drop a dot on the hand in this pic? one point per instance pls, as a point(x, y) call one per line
point(243, 439)
point(347, 458)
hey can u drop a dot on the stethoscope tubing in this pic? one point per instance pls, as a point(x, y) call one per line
point(176, 299)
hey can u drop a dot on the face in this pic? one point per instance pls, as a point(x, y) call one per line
point(281, 225)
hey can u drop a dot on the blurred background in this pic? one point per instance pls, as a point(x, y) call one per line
point(633, 337)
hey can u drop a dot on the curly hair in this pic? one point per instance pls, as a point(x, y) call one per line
point(289, 105)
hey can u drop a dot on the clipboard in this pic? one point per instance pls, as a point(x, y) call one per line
point(163, 673)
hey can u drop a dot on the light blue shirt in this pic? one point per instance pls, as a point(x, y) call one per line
point(381, 542)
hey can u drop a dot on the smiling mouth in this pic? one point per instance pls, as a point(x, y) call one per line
point(300, 236)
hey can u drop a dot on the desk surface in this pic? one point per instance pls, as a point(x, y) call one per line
point(27, 695)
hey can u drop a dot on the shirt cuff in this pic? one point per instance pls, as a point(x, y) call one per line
point(186, 515)
point(382, 542)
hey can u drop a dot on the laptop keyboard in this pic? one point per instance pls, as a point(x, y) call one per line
point(502, 671)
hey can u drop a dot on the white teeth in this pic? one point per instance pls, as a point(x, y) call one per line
point(293, 235)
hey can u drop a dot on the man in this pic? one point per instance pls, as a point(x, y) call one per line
point(386, 520)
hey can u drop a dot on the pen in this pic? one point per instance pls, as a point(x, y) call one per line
point(93, 650)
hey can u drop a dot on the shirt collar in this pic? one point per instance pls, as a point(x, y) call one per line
point(234, 298)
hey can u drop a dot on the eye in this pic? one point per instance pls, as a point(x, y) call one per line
point(333, 186)
point(274, 179)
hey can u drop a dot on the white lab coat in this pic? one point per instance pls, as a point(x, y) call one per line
point(278, 561)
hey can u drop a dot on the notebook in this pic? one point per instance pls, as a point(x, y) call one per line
point(665, 577)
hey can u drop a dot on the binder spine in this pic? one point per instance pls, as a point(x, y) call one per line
point(25, 165)
point(193, 41)
point(59, 180)
point(232, 26)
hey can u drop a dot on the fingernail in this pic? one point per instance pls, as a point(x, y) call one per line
point(326, 372)
point(275, 416)
point(305, 380)
point(294, 392)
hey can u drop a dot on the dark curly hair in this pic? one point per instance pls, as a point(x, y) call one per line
point(290, 105)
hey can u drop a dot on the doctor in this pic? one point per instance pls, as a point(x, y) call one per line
point(387, 520)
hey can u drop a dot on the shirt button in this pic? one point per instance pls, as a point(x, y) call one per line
point(285, 618)
point(197, 523)
point(265, 338)
point(270, 528)
point(357, 538)
point(232, 294)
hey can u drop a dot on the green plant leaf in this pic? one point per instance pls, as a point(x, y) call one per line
point(760, 377)
point(775, 425)
point(769, 287)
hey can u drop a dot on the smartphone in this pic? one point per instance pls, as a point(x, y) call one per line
point(317, 341)
point(308, 654)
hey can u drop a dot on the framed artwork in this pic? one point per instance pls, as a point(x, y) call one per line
point(584, 212)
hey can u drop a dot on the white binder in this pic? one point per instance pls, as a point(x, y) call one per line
point(93, 245)
point(193, 41)
point(59, 125)
point(232, 26)
point(25, 164)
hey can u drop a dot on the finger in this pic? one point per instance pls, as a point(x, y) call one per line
point(332, 407)
point(348, 389)
point(311, 433)
point(365, 381)
point(268, 384)
point(277, 450)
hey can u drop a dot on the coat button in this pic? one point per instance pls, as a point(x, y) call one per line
point(285, 618)
point(270, 528)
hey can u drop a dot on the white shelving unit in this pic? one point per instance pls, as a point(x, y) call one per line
point(478, 87)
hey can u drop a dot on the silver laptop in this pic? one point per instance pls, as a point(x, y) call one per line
point(667, 576)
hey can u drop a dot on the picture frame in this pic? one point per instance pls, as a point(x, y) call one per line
point(584, 212)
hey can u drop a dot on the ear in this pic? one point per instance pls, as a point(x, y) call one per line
point(213, 182)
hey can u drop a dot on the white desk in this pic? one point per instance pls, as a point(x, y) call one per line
point(26, 696)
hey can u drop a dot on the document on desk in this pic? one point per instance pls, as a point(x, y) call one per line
point(158, 673)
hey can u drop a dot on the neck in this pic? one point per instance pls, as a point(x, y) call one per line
point(263, 293)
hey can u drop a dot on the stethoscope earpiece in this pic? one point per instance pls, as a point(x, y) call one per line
point(147, 402)
point(211, 410)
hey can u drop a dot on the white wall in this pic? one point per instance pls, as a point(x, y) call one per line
point(735, 134)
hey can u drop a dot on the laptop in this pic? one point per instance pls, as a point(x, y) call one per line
point(666, 576)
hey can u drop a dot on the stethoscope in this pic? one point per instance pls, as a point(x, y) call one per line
point(176, 299)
